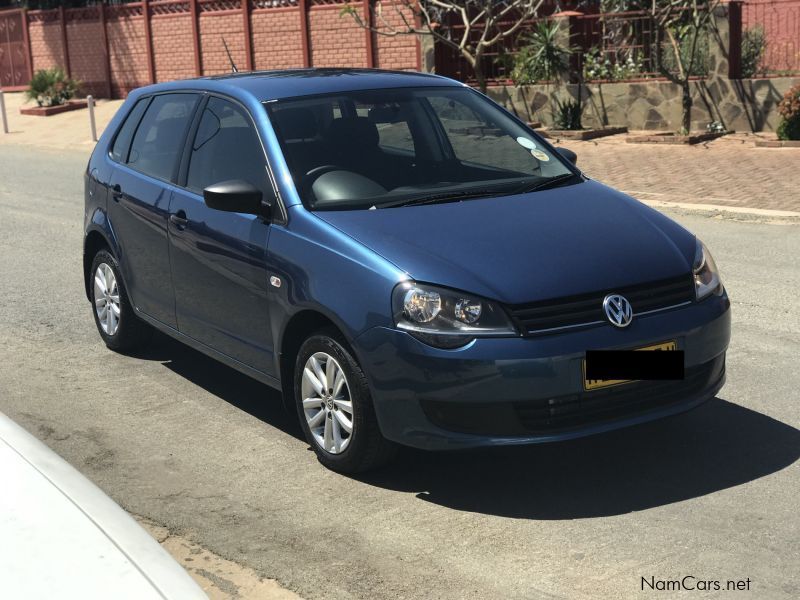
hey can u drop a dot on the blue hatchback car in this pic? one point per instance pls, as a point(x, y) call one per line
point(407, 261)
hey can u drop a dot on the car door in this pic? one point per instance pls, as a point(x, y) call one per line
point(141, 185)
point(219, 258)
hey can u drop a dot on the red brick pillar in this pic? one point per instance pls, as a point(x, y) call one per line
point(148, 42)
point(106, 50)
point(64, 44)
point(370, 42)
point(27, 37)
point(303, 6)
point(198, 61)
point(248, 36)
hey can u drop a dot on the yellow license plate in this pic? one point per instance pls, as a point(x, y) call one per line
point(594, 384)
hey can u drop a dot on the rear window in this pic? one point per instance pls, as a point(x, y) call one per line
point(122, 143)
point(159, 139)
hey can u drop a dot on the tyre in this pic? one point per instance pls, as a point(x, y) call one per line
point(114, 315)
point(335, 406)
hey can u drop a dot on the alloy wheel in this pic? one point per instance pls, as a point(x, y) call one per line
point(327, 404)
point(106, 298)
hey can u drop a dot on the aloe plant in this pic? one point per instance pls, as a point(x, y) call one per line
point(543, 56)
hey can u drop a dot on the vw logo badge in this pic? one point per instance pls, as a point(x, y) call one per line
point(618, 310)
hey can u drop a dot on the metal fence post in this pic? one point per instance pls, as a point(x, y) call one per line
point(3, 112)
point(92, 125)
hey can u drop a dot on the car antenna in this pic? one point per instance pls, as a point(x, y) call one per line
point(230, 58)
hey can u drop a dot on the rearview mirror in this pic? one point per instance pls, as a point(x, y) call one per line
point(568, 154)
point(236, 196)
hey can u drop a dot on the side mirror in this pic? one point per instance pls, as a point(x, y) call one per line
point(237, 196)
point(568, 154)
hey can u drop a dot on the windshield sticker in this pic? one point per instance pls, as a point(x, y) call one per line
point(526, 143)
point(539, 155)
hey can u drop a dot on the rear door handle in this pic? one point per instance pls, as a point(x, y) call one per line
point(179, 220)
point(116, 192)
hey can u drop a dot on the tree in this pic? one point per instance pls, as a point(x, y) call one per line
point(678, 26)
point(471, 27)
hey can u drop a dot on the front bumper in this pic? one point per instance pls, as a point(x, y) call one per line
point(523, 390)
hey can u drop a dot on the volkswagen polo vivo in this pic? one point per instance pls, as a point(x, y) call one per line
point(405, 260)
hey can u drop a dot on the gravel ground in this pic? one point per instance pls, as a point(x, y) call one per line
point(208, 453)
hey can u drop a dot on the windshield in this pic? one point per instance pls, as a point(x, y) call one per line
point(396, 147)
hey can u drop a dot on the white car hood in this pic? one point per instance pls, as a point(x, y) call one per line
point(62, 537)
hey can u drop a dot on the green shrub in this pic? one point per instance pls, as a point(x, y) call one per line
point(567, 115)
point(51, 87)
point(543, 57)
point(789, 109)
point(754, 44)
point(597, 66)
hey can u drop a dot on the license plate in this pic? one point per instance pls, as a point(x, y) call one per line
point(594, 384)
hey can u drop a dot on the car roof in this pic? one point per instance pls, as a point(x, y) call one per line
point(274, 85)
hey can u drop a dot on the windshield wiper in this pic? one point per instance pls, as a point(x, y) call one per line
point(547, 183)
point(444, 197)
point(457, 196)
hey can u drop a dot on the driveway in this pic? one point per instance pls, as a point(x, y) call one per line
point(729, 171)
point(209, 454)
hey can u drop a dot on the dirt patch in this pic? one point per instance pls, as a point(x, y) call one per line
point(221, 579)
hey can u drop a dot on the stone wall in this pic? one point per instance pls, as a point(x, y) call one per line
point(743, 105)
point(739, 104)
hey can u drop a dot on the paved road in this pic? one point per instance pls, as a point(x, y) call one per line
point(208, 453)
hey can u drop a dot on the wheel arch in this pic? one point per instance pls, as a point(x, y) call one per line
point(92, 244)
point(299, 326)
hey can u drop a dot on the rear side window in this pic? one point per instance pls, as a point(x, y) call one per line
point(226, 147)
point(158, 140)
point(122, 143)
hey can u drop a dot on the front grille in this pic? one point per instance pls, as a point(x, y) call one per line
point(573, 411)
point(587, 309)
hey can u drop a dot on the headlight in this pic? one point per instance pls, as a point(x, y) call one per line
point(706, 276)
point(446, 318)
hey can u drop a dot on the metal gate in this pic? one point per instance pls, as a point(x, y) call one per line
point(15, 69)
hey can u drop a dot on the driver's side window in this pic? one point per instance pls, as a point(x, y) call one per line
point(226, 147)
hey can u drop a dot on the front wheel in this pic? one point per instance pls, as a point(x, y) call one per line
point(335, 407)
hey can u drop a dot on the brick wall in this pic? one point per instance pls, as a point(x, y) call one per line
point(127, 49)
point(86, 58)
point(173, 52)
point(214, 26)
point(394, 52)
point(335, 40)
point(276, 42)
point(45, 39)
point(273, 24)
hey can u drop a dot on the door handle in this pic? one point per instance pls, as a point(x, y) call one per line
point(116, 192)
point(179, 220)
